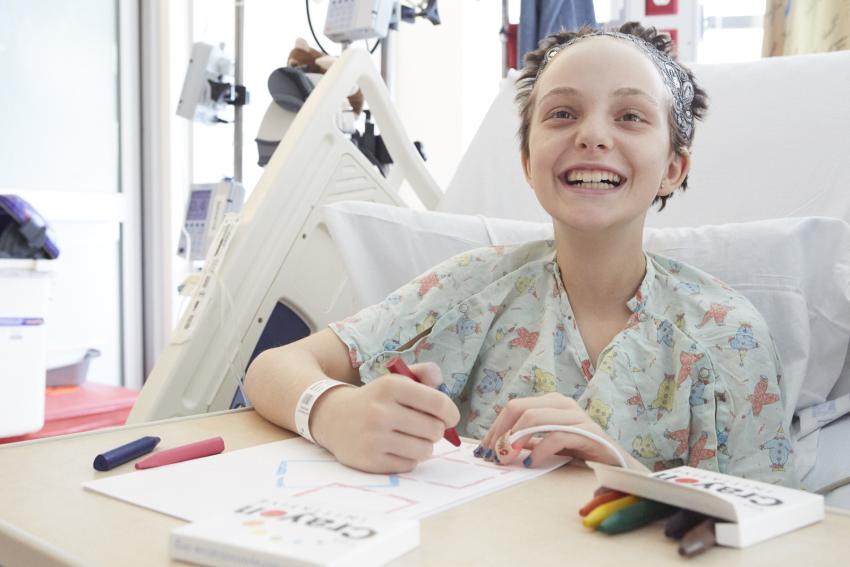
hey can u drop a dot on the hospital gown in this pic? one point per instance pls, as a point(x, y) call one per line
point(693, 378)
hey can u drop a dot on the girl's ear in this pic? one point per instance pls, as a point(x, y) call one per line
point(677, 169)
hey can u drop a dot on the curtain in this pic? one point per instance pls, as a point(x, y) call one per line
point(805, 26)
point(539, 18)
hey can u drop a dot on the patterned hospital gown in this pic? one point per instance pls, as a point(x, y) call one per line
point(693, 378)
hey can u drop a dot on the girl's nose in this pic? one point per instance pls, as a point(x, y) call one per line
point(593, 134)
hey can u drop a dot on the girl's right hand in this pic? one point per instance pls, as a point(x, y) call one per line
point(388, 425)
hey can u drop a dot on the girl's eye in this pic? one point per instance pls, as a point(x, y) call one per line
point(631, 117)
point(562, 114)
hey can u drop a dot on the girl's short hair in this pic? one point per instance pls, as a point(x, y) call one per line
point(536, 60)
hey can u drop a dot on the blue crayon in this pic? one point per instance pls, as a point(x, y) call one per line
point(120, 455)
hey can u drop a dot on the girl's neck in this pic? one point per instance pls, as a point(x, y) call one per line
point(600, 271)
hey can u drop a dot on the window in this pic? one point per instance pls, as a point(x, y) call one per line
point(70, 139)
point(732, 30)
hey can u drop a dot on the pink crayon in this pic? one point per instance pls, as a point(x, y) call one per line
point(205, 448)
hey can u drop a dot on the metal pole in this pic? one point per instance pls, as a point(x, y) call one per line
point(389, 49)
point(237, 109)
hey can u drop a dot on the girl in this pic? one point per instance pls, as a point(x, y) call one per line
point(587, 330)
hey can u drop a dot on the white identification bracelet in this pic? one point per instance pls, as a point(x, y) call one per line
point(305, 405)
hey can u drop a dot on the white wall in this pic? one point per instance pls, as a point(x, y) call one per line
point(448, 75)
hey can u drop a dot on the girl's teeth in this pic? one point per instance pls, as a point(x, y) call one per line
point(597, 185)
point(593, 176)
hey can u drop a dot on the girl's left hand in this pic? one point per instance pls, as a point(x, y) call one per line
point(549, 409)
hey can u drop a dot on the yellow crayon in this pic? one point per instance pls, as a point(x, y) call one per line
point(598, 515)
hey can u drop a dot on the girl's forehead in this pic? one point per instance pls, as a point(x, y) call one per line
point(602, 62)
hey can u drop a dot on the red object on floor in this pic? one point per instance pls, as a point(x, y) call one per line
point(71, 409)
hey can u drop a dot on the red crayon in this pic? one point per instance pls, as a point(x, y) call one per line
point(397, 366)
point(599, 500)
point(205, 448)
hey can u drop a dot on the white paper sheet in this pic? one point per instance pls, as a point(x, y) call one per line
point(195, 489)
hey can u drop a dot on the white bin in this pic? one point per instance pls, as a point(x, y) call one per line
point(24, 295)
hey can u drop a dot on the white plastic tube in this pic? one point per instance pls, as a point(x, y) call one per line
point(514, 437)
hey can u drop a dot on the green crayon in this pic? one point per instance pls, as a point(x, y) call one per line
point(632, 517)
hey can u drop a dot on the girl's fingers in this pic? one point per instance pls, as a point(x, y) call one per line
point(514, 409)
point(423, 398)
point(429, 373)
point(507, 448)
point(552, 444)
point(531, 417)
point(417, 424)
point(389, 452)
point(409, 448)
point(392, 464)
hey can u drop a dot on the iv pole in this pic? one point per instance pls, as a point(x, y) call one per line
point(237, 111)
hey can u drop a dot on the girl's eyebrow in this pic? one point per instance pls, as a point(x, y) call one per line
point(631, 91)
point(562, 91)
point(623, 91)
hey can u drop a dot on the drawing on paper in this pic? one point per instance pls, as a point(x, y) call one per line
point(366, 500)
point(310, 473)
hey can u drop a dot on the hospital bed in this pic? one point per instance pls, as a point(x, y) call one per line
point(277, 254)
point(324, 234)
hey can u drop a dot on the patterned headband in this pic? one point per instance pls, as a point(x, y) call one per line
point(671, 73)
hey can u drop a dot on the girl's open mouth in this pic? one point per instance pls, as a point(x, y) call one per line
point(592, 179)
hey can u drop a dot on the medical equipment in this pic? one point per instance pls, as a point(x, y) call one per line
point(351, 20)
point(267, 258)
point(208, 87)
point(23, 231)
point(347, 21)
point(205, 211)
point(212, 82)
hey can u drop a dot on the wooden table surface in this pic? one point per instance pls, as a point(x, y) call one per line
point(47, 518)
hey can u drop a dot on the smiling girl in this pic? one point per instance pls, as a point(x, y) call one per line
point(587, 330)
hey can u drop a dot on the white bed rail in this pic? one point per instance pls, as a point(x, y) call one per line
point(278, 250)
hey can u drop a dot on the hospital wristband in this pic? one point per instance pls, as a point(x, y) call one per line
point(305, 405)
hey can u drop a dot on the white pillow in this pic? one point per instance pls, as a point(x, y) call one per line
point(384, 246)
point(796, 271)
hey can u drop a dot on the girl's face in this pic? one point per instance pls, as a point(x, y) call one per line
point(599, 142)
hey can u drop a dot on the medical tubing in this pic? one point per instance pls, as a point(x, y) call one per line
point(514, 437)
point(824, 490)
point(310, 23)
